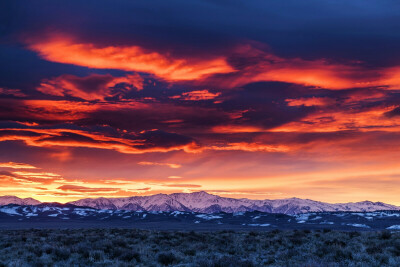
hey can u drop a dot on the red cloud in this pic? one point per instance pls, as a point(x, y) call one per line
point(93, 87)
point(222, 71)
point(196, 95)
point(269, 67)
point(146, 142)
point(13, 92)
point(64, 49)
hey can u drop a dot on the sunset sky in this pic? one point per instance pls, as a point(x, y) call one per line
point(257, 99)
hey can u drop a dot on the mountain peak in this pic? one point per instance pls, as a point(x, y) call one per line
point(201, 193)
point(5, 200)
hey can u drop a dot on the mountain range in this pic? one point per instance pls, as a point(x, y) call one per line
point(203, 202)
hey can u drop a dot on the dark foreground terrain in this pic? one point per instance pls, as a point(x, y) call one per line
point(48, 216)
point(130, 247)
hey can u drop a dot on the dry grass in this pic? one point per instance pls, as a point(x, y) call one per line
point(121, 247)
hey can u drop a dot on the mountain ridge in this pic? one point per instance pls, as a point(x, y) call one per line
point(5, 200)
point(204, 202)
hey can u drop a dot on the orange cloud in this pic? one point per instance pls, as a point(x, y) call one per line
point(44, 175)
point(78, 138)
point(85, 189)
point(15, 165)
point(251, 147)
point(390, 77)
point(236, 129)
point(29, 178)
point(171, 165)
point(93, 87)
point(311, 101)
point(183, 185)
point(64, 49)
point(315, 73)
point(373, 119)
point(319, 73)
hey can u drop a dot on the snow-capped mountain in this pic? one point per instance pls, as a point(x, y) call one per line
point(207, 203)
point(5, 200)
point(203, 202)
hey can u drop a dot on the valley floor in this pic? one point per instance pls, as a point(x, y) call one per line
point(132, 247)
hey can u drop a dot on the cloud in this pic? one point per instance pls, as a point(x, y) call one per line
point(311, 101)
point(254, 62)
point(24, 178)
point(251, 147)
point(171, 165)
point(92, 87)
point(183, 185)
point(44, 175)
point(15, 165)
point(143, 189)
point(174, 177)
point(130, 115)
point(64, 49)
point(147, 141)
point(12, 92)
point(368, 119)
point(196, 95)
point(44, 111)
point(237, 63)
point(84, 189)
point(393, 113)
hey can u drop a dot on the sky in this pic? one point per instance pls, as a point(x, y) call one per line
point(241, 98)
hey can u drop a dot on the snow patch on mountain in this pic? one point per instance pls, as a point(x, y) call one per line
point(394, 227)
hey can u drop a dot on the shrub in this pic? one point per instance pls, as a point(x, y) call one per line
point(385, 235)
point(61, 254)
point(335, 242)
point(373, 250)
point(296, 240)
point(341, 255)
point(129, 256)
point(166, 258)
point(120, 243)
point(115, 253)
point(93, 247)
point(353, 234)
point(227, 261)
point(97, 255)
point(189, 252)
